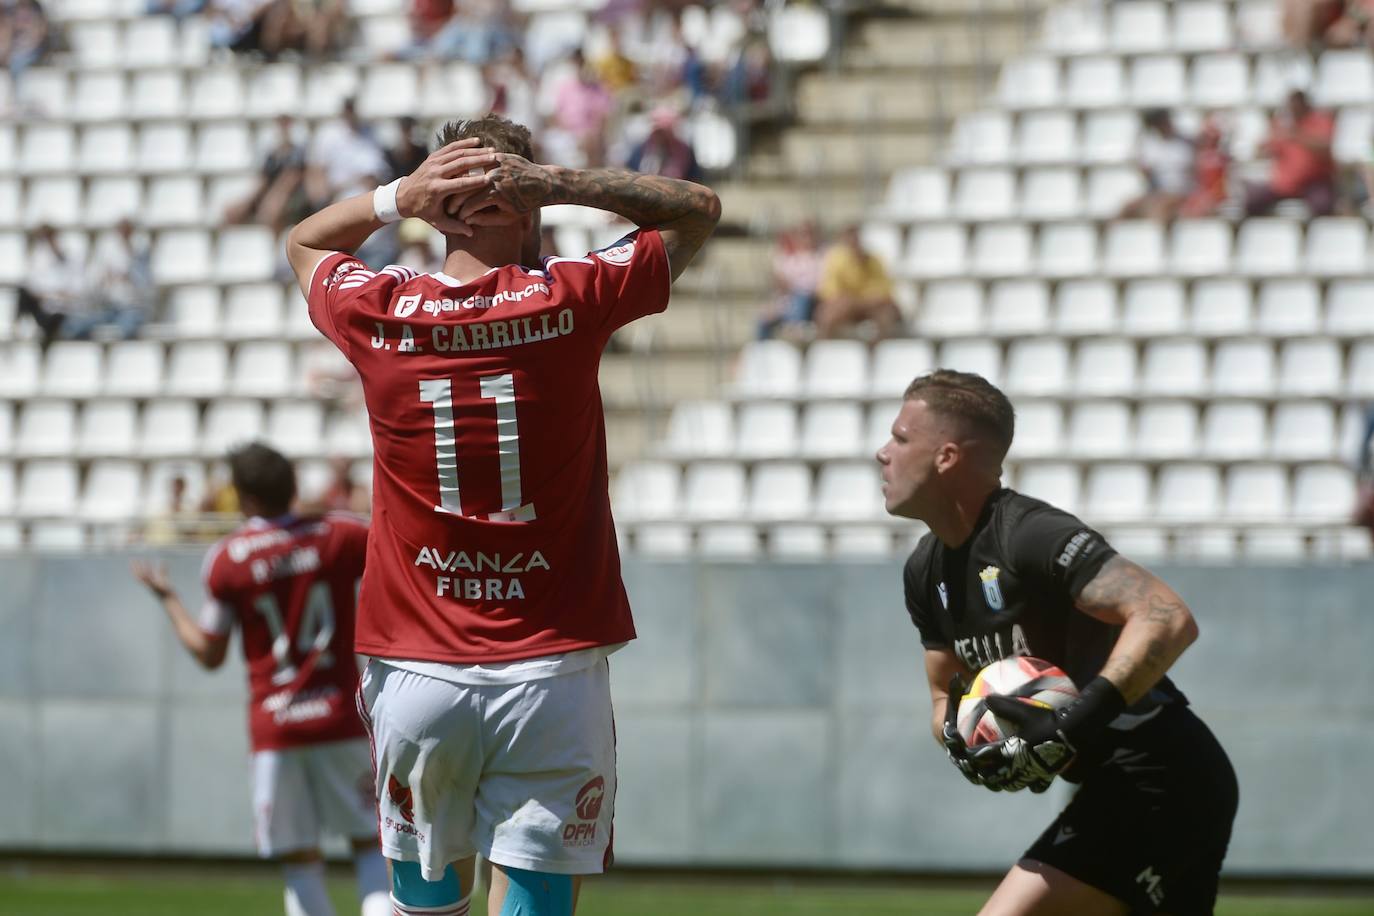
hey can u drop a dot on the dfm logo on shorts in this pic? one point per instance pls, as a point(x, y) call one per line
point(588, 807)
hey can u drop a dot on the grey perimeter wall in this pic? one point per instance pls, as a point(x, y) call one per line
point(769, 714)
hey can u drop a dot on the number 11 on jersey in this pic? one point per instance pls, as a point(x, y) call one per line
point(438, 393)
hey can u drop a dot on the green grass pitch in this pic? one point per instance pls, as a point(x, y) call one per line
point(107, 893)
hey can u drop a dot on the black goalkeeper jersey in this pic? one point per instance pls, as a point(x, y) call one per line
point(1010, 589)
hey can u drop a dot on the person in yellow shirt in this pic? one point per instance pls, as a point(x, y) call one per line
point(854, 287)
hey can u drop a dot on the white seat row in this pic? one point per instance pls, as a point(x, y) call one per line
point(220, 91)
point(1261, 247)
point(1167, 80)
point(1063, 136)
point(1232, 430)
point(1156, 307)
point(173, 427)
point(1138, 26)
point(141, 368)
point(1094, 367)
point(48, 148)
point(163, 201)
point(849, 491)
point(236, 254)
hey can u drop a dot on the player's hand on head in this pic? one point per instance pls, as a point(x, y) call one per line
point(517, 186)
point(152, 575)
point(448, 177)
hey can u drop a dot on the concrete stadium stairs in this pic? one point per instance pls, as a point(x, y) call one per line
point(899, 74)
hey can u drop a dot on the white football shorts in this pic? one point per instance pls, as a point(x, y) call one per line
point(296, 791)
point(523, 773)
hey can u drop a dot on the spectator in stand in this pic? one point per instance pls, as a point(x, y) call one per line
point(748, 76)
point(581, 112)
point(427, 19)
point(409, 151)
point(174, 523)
point(1313, 24)
point(344, 494)
point(346, 160)
point(25, 36)
point(1211, 168)
point(664, 152)
point(854, 287)
point(1165, 158)
point(122, 287)
point(1299, 146)
point(56, 292)
point(513, 89)
point(315, 27)
point(796, 270)
point(278, 199)
point(249, 26)
point(476, 31)
point(615, 71)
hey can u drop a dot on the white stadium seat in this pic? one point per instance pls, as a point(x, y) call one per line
point(1323, 492)
point(1310, 367)
point(936, 250)
point(197, 369)
point(113, 491)
point(1001, 250)
point(849, 491)
point(46, 428)
point(1105, 367)
point(1139, 25)
point(769, 368)
point(457, 88)
point(713, 490)
point(1067, 250)
point(98, 96)
point(1037, 366)
point(1188, 493)
point(1219, 80)
point(1360, 381)
point(1109, 136)
point(72, 369)
point(1047, 136)
point(164, 148)
point(796, 542)
point(779, 491)
point(835, 368)
point(1158, 81)
point(1266, 247)
point(832, 430)
point(108, 428)
point(951, 308)
point(111, 199)
point(1056, 483)
point(985, 194)
point(917, 193)
point(1304, 431)
point(1235, 430)
point(217, 92)
point(47, 149)
point(150, 41)
point(983, 357)
point(274, 89)
point(157, 94)
point(1153, 308)
point(19, 369)
point(95, 44)
point(47, 489)
point(174, 200)
point(195, 311)
point(262, 369)
point(1243, 368)
point(1166, 430)
point(663, 541)
point(1094, 82)
point(767, 429)
point(647, 490)
point(1085, 307)
point(1018, 307)
point(1344, 77)
point(7, 486)
point(981, 137)
point(1075, 28)
point(1200, 247)
point(55, 201)
point(230, 423)
point(225, 147)
point(871, 541)
point(296, 427)
point(1221, 307)
point(388, 91)
point(1050, 193)
point(729, 542)
point(1348, 312)
point(346, 433)
point(1110, 188)
point(1133, 248)
point(896, 363)
point(253, 310)
point(1337, 245)
point(1100, 429)
point(700, 429)
point(1029, 82)
point(1256, 493)
point(1174, 367)
point(106, 149)
point(181, 256)
point(246, 253)
point(1039, 429)
point(1288, 308)
point(1200, 25)
point(1117, 493)
point(6, 427)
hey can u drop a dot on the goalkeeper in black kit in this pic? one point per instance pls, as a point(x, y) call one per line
point(1001, 574)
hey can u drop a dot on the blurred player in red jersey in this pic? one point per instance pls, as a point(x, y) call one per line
point(493, 593)
point(289, 583)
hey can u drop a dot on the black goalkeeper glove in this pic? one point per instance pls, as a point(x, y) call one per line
point(991, 771)
point(1046, 740)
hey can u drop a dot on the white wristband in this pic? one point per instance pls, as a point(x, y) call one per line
point(384, 202)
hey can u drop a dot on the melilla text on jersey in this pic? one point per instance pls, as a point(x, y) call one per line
point(475, 586)
point(980, 651)
point(475, 335)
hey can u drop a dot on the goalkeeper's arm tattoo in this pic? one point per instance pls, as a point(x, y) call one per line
point(1156, 626)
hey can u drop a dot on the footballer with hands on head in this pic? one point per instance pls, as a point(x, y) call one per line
point(493, 593)
point(1001, 574)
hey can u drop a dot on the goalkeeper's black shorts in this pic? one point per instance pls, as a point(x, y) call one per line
point(1150, 823)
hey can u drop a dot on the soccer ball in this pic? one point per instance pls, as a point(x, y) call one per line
point(1030, 680)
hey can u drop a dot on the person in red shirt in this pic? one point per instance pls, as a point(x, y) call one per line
point(1300, 146)
point(288, 584)
point(493, 594)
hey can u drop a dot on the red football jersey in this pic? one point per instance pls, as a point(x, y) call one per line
point(291, 585)
point(492, 537)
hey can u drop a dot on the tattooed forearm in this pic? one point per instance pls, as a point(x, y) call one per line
point(1156, 626)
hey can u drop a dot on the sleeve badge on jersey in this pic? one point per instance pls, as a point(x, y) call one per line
point(407, 305)
point(619, 254)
